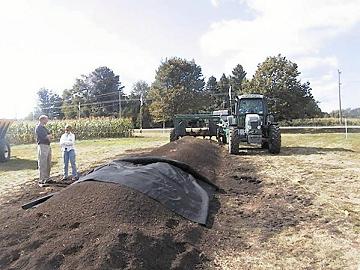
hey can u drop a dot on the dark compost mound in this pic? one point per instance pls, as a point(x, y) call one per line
point(202, 155)
point(95, 225)
point(176, 189)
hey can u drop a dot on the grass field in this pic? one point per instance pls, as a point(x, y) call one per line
point(320, 170)
point(325, 170)
point(22, 167)
point(323, 140)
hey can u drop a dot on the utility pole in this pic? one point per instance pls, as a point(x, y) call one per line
point(119, 104)
point(141, 112)
point(79, 107)
point(340, 112)
point(230, 99)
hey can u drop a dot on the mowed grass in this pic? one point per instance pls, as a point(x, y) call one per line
point(23, 164)
point(22, 167)
point(326, 169)
point(325, 140)
point(330, 169)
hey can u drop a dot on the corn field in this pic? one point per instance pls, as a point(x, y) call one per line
point(320, 122)
point(22, 132)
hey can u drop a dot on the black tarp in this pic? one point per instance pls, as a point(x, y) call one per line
point(175, 188)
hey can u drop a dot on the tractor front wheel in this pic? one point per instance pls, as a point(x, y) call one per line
point(274, 139)
point(4, 151)
point(233, 141)
point(173, 136)
point(223, 137)
point(265, 145)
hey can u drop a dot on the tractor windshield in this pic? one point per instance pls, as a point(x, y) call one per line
point(251, 106)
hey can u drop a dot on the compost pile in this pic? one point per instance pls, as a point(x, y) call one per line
point(95, 225)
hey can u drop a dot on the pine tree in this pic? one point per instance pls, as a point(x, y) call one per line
point(237, 79)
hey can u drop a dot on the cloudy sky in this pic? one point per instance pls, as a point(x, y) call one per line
point(49, 43)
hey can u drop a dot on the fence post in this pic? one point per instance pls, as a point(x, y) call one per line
point(346, 129)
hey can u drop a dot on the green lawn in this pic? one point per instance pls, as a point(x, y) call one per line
point(323, 140)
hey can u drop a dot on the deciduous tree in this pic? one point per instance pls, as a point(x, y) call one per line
point(137, 104)
point(178, 88)
point(97, 93)
point(289, 98)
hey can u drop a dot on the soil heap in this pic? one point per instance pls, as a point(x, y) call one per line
point(94, 225)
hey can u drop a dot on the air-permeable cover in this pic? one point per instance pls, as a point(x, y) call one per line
point(171, 186)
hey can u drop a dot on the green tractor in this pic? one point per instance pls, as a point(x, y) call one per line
point(250, 122)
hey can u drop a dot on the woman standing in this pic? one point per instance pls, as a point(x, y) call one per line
point(67, 143)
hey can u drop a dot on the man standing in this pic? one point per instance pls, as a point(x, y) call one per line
point(43, 139)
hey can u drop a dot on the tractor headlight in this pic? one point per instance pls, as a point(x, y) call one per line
point(259, 127)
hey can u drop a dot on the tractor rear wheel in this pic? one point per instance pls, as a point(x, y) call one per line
point(4, 151)
point(233, 141)
point(173, 136)
point(274, 139)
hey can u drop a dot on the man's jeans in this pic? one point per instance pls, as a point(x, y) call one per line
point(69, 156)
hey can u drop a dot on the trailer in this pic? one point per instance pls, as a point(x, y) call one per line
point(202, 124)
point(5, 151)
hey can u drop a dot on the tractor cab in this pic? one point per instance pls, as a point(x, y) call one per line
point(249, 104)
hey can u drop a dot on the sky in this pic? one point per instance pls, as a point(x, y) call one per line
point(50, 43)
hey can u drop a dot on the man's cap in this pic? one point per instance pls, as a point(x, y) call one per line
point(43, 116)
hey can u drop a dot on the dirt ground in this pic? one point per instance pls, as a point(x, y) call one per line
point(272, 212)
point(296, 210)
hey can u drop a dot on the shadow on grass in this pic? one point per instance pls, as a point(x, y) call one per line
point(252, 207)
point(18, 164)
point(288, 150)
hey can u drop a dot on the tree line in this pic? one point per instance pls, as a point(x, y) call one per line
point(180, 87)
point(349, 113)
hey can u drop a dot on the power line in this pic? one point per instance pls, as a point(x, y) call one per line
point(355, 81)
point(115, 101)
point(97, 95)
point(106, 94)
point(93, 103)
